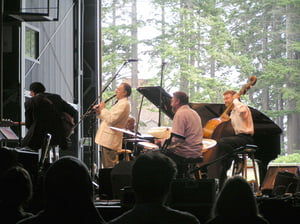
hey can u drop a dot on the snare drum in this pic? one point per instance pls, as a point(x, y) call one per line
point(208, 144)
point(147, 146)
point(209, 154)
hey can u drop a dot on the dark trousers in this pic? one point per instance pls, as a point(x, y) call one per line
point(226, 146)
point(181, 166)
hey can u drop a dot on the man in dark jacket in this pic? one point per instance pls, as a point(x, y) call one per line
point(43, 114)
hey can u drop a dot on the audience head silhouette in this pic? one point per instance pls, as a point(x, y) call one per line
point(236, 203)
point(8, 159)
point(68, 179)
point(16, 186)
point(152, 174)
point(15, 192)
point(240, 195)
point(68, 193)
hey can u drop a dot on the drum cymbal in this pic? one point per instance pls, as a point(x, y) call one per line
point(124, 131)
point(135, 140)
point(148, 145)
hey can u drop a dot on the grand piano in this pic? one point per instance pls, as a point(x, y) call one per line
point(267, 133)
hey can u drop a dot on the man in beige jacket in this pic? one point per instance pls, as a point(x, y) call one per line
point(111, 140)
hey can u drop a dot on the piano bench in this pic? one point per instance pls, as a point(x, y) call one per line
point(244, 153)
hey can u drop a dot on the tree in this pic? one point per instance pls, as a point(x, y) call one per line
point(208, 41)
point(263, 32)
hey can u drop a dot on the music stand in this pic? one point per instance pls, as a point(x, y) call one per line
point(8, 135)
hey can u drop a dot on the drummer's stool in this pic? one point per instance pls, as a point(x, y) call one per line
point(126, 154)
point(188, 164)
point(191, 164)
point(244, 153)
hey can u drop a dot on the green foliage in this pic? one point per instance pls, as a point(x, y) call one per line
point(217, 45)
point(291, 158)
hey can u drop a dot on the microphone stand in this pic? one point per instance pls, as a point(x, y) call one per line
point(161, 85)
point(135, 147)
point(115, 75)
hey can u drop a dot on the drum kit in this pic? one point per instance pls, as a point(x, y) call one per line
point(143, 143)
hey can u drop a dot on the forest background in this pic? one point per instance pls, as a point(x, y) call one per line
point(204, 47)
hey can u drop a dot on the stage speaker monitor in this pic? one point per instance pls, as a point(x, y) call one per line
point(29, 159)
point(105, 187)
point(121, 177)
point(269, 180)
point(19, 156)
point(285, 182)
point(186, 192)
point(194, 196)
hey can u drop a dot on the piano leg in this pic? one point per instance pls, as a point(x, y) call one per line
point(262, 167)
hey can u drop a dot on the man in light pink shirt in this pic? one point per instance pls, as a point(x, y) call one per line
point(187, 130)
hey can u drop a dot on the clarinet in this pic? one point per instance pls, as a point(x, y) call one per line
point(113, 96)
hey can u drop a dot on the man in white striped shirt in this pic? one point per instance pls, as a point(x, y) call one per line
point(242, 123)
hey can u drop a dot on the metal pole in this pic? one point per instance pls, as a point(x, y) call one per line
point(161, 85)
point(1, 58)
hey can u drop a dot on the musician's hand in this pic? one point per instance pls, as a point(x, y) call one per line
point(224, 117)
point(97, 108)
point(102, 105)
point(236, 96)
point(159, 142)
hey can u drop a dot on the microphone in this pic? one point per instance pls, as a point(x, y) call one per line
point(132, 60)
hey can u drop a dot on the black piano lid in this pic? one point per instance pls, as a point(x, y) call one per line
point(266, 132)
point(154, 94)
point(207, 111)
point(262, 123)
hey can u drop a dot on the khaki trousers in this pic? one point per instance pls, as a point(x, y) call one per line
point(109, 157)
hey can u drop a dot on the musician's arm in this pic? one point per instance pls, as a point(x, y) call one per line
point(240, 107)
point(69, 109)
point(177, 131)
point(28, 114)
point(116, 113)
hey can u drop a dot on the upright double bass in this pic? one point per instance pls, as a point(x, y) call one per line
point(211, 125)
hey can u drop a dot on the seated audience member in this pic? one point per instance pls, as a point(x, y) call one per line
point(15, 191)
point(8, 159)
point(152, 174)
point(236, 204)
point(68, 193)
